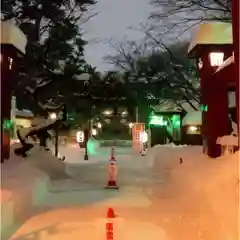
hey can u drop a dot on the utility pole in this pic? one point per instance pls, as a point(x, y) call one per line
point(136, 112)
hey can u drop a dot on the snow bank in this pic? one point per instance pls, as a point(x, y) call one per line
point(201, 182)
point(22, 186)
point(228, 140)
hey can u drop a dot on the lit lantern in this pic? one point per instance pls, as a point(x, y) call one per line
point(216, 58)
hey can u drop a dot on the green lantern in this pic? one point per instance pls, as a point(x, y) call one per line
point(7, 124)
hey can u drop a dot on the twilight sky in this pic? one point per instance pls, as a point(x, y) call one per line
point(113, 19)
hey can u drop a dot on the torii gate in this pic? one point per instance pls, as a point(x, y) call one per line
point(216, 48)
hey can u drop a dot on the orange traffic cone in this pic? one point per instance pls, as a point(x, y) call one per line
point(110, 213)
point(112, 157)
point(112, 184)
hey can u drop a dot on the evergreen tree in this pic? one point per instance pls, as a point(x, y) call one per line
point(54, 54)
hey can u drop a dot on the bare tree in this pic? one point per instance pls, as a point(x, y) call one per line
point(175, 17)
point(157, 70)
point(127, 53)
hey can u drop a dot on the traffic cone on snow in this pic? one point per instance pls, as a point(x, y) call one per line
point(112, 183)
point(110, 213)
point(112, 156)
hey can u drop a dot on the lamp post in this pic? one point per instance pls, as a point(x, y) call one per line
point(85, 78)
point(53, 116)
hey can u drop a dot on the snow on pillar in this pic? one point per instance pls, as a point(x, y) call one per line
point(211, 45)
point(13, 44)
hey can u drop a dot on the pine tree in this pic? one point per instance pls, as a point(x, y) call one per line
point(54, 55)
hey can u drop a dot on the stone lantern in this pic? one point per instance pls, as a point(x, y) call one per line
point(13, 44)
point(211, 46)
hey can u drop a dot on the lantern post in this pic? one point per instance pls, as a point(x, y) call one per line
point(210, 47)
point(13, 44)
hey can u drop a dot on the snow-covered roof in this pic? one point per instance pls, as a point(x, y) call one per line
point(24, 113)
point(192, 118)
point(12, 35)
point(214, 33)
point(226, 63)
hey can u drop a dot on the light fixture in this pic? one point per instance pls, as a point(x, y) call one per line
point(107, 112)
point(10, 63)
point(80, 136)
point(143, 136)
point(130, 125)
point(94, 132)
point(193, 128)
point(99, 125)
point(216, 58)
point(53, 116)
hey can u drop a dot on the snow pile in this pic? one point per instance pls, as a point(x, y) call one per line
point(228, 140)
point(44, 161)
point(206, 187)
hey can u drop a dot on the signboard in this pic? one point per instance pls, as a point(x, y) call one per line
point(137, 130)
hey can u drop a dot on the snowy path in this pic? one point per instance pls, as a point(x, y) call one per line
point(151, 203)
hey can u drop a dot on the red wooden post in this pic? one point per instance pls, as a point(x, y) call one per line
point(13, 44)
point(235, 32)
point(214, 93)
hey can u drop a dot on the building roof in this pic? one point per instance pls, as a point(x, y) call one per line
point(214, 33)
point(24, 113)
point(12, 35)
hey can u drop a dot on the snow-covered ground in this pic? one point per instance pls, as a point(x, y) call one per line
point(159, 198)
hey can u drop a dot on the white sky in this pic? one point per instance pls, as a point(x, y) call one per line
point(113, 20)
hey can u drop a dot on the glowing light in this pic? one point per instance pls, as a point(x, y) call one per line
point(130, 125)
point(99, 125)
point(80, 136)
point(94, 132)
point(10, 63)
point(143, 137)
point(193, 128)
point(157, 120)
point(107, 112)
point(216, 58)
point(53, 116)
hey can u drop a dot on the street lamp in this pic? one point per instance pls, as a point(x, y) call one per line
point(53, 116)
point(85, 77)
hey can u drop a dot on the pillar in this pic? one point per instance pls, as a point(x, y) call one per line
point(7, 77)
point(235, 32)
point(214, 95)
